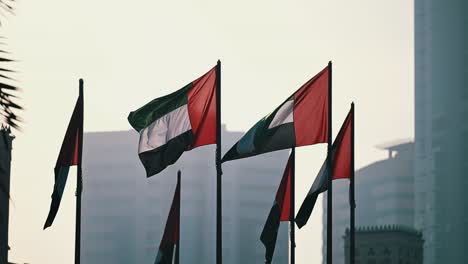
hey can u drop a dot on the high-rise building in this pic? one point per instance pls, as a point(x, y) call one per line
point(5, 164)
point(124, 213)
point(384, 196)
point(441, 130)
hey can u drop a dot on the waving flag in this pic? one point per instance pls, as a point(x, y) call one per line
point(341, 162)
point(70, 154)
point(171, 234)
point(172, 124)
point(301, 120)
point(280, 211)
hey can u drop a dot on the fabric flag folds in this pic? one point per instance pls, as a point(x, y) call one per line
point(301, 120)
point(70, 154)
point(341, 162)
point(172, 124)
point(170, 239)
point(280, 211)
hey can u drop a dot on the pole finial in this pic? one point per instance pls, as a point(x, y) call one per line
point(81, 86)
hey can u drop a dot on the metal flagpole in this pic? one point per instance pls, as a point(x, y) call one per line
point(330, 170)
point(219, 172)
point(177, 255)
point(79, 182)
point(352, 201)
point(292, 226)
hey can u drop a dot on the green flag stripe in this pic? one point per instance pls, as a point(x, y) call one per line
point(277, 138)
point(262, 138)
point(157, 108)
point(260, 134)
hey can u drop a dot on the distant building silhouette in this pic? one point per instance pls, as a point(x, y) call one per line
point(441, 128)
point(386, 245)
point(384, 196)
point(124, 213)
point(5, 165)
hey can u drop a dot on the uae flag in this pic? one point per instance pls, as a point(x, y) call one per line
point(170, 239)
point(341, 162)
point(70, 154)
point(301, 120)
point(280, 211)
point(172, 124)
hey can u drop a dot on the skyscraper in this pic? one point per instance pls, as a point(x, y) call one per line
point(441, 130)
point(384, 196)
point(124, 213)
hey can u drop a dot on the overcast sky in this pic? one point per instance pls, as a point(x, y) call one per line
point(129, 52)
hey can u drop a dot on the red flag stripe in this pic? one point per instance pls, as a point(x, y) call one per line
point(342, 151)
point(69, 152)
point(283, 196)
point(171, 232)
point(311, 110)
point(77, 149)
point(202, 109)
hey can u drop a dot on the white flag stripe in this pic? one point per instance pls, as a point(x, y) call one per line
point(164, 129)
point(284, 115)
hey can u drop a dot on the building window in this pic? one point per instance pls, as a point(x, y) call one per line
point(371, 252)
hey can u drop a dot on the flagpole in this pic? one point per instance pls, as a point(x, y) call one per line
point(292, 226)
point(330, 170)
point(352, 201)
point(177, 255)
point(79, 183)
point(219, 172)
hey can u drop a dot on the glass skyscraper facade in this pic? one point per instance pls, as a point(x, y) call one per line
point(441, 129)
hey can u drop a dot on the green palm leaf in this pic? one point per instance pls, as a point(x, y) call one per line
point(8, 89)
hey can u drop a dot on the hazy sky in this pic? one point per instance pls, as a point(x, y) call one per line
point(129, 52)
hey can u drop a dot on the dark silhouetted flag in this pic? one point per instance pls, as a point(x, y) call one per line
point(70, 154)
point(172, 124)
point(301, 120)
point(280, 211)
point(170, 239)
point(341, 160)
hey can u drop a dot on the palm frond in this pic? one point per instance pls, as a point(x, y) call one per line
point(6, 6)
point(8, 90)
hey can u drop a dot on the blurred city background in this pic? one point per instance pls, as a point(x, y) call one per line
point(404, 64)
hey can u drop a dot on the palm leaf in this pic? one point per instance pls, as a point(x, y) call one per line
point(8, 90)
